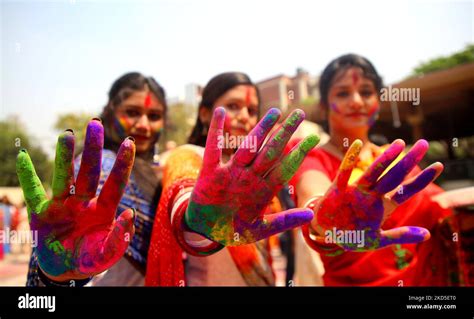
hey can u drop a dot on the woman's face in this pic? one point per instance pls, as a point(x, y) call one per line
point(241, 104)
point(353, 100)
point(141, 116)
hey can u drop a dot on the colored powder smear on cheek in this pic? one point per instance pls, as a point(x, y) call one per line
point(122, 126)
point(373, 113)
point(334, 108)
point(336, 116)
point(157, 133)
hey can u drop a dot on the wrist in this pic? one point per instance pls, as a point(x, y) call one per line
point(61, 281)
point(314, 203)
point(314, 234)
point(190, 241)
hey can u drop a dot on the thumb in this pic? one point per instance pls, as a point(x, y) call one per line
point(283, 221)
point(404, 235)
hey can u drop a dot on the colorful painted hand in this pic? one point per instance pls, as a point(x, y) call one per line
point(351, 215)
point(78, 235)
point(228, 202)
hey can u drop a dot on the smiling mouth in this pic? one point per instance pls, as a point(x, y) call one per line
point(356, 115)
point(241, 131)
point(140, 139)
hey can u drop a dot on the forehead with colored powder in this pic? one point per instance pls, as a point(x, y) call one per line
point(144, 99)
point(351, 77)
point(245, 94)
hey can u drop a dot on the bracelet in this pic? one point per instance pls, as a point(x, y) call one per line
point(318, 243)
point(201, 248)
point(70, 283)
point(204, 247)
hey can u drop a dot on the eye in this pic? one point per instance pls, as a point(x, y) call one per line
point(366, 93)
point(132, 113)
point(233, 106)
point(342, 94)
point(253, 111)
point(155, 117)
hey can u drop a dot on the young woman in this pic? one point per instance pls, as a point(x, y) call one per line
point(360, 194)
point(239, 265)
point(88, 227)
point(136, 107)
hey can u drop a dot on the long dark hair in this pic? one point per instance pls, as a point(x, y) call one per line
point(343, 63)
point(213, 90)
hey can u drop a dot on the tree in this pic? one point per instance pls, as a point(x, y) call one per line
point(179, 123)
point(78, 123)
point(441, 63)
point(13, 137)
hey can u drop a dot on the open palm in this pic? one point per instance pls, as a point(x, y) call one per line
point(366, 204)
point(228, 201)
point(78, 235)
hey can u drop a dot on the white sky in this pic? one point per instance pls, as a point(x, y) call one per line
point(62, 56)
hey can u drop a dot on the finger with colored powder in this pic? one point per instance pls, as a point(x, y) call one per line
point(244, 155)
point(89, 173)
point(273, 149)
point(78, 236)
point(418, 183)
point(397, 174)
point(348, 164)
point(63, 177)
point(282, 173)
point(33, 191)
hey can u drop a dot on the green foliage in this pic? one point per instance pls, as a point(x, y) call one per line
point(441, 63)
point(13, 137)
point(78, 123)
point(179, 123)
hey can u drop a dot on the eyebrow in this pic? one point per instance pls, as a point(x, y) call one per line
point(363, 85)
point(160, 108)
point(235, 100)
point(239, 100)
point(342, 86)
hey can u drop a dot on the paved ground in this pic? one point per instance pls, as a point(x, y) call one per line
point(13, 269)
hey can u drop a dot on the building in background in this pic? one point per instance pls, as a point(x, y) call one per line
point(288, 93)
point(193, 94)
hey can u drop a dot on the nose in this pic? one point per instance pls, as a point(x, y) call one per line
point(243, 115)
point(356, 103)
point(142, 123)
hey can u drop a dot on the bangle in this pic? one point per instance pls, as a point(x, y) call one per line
point(69, 283)
point(201, 248)
point(319, 242)
point(204, 247)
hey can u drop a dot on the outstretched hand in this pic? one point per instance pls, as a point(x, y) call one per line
point(78, 234)
point(228, 201)
point(366, 204)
